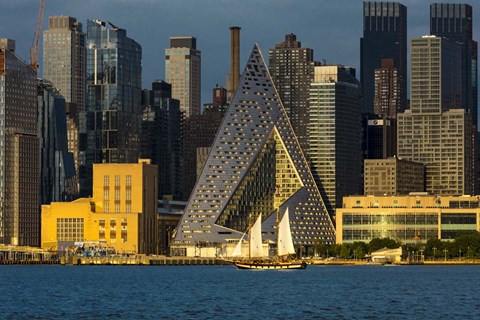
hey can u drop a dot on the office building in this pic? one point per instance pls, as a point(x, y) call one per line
point(183, 72)
point(388, 90)
point(454, 21)
point(199, 133)
point(379, 136)
point(291, 68)
point(19, 150)
point(110, 129)
point(411, 219)
point(336, 133)
point(255, 167)
point(384, 37)
point(162, 127)
point(58, 181)
point(432, 131)
point(64, 64)
point(393, 176)
point(122, 213)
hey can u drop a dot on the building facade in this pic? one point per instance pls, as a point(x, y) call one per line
point(162, 129)
point(255, 167)
point(432, 131)
point(409, 219)
point(121, 214)
point(384, 37)
point(65, 65)
point(19, 150)
point(199, 133)
point(291, 68)
point(454, 21)
point(110, 129)
point(335, 133)
point(393, 177)
point(58, 181)
point(388, 90)
point(379, 136)
point(183, 72)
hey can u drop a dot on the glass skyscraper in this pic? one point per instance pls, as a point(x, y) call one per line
point(57, 170)
point(110, 128)
point(384, 37)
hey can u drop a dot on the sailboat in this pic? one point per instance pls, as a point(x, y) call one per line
point(284, 248)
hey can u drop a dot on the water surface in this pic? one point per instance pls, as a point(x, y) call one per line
point(224, 292)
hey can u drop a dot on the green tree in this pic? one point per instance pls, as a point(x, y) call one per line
point(345, 251)
point(377, 244)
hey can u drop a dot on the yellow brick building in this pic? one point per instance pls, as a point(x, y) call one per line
point(121, 214)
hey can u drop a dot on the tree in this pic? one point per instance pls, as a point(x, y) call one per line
point(377, 244)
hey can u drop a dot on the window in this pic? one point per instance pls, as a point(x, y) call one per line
point(70, 229)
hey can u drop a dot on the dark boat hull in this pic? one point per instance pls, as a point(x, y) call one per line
point(271, 265)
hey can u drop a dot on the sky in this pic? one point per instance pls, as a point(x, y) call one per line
point(332, 28)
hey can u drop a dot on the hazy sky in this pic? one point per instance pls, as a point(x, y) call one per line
point(331, 27)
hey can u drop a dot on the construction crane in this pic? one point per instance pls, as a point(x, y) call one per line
point(36, 39)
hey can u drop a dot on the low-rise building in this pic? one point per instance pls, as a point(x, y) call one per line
point(409, 219)
point(121, 214)
point(393, 176)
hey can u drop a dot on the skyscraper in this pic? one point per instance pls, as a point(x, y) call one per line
point(436, 130)
point(336, 133)
point(291, 68)
point(162, 128)
point(57, 169)
point(183, 72)
point(454, 21)
point(255, 168)
point(64, 64)
point(384, 37)
point(19, 152)
point(110, 129)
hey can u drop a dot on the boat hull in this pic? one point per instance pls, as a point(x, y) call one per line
point(271, 265)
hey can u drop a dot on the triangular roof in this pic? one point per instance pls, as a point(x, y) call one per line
point(255, 166)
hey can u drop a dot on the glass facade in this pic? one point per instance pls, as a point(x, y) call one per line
point(58, 181)
point(110, 129)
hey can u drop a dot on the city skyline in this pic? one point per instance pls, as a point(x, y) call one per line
point(335, 40)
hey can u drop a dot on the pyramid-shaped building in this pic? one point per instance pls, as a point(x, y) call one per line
point(255, 167)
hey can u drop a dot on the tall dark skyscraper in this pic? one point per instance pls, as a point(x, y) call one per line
point(384, 37)
point(162, 127)
point(454, 21)
point(291, 68)
point(19, 151)
point(110, 129)
point(57, 168)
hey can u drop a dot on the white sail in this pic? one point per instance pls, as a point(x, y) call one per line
point(285, 242)
point(256, 247)
point(237, 251)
